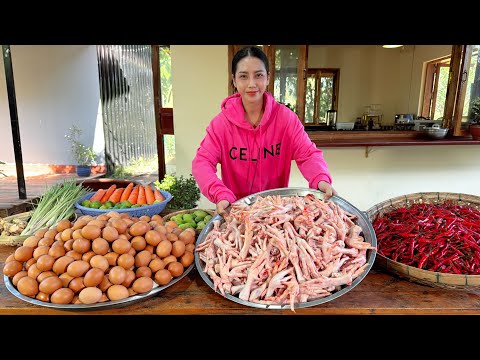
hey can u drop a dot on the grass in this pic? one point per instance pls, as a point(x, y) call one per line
point(136, 167)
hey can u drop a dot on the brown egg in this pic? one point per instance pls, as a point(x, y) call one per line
point(143, 284)
point(178, 248)
point(172, 224)
point(153, 237)
point(90, 295)
point(175, 268)
point(161, 229)
point(40, 232)
point(163, 277)
point(60, 265)
point(105, 284)
point(112, 258)
point(110, 233)
point(187, 237)
point(100, 246)
point(156, 264)
point(103, 217)
point(88, 255)
point(40, 250)
point(12, 268)
point(76, 284)
point(66, 234)
point(76, 300)
point(103, 298)
point(143, 258)
point(117, 292)
point(158, 218)
point(42, 297)
point(31, 241)
point(167, 260)
point(74, 255)
point(81, 246)
point(187, 259)
point(91, 232)
point(190, 247)
point(140, 228)
point(129, 278)
point(63, 225)
point(172, 237)
point(77, 268)
point(50, 284)
point(50, 233)
point(18, 276)
point(177, 231)
point(119, 224)
point(27, 286)
point(145, 218)
point(68, 245)
point(113, 214)
point(23, 253)
point(117, 275)
point(56, 251)
point(33, 271)
point(126, 261)
point(143, 271)
point(30, 263)
point(95, 222)
point(99, 261)
point(150, 249)
point(43, 275)
point(65, 279)
point(10, 258)
point(93, 277)
point(121, 246)
point(58, 237)
point(132, 252)
point(164, 248)
point(62, 296)
point(77, 234)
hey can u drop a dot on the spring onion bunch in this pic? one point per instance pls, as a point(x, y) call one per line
point(56, 203)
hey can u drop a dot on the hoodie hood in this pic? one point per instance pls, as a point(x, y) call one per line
point(232, 109)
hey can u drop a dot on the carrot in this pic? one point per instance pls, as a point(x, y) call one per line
point(158, 195)
point(132, 198)
point(98, 195)
point(116, 196)
point(108, 193)
point(127, 192)
point(142, 199)
point(149, 195)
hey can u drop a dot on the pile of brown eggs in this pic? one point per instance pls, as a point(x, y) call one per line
point(104, 258)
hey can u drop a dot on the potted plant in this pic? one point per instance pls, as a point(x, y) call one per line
point(184, 190)
point(84, 155)
point(475, 122)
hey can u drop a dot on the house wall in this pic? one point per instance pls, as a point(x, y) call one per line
point(201, 85)
point(56, 86)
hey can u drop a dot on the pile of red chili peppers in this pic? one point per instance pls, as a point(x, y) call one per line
point(443, 237)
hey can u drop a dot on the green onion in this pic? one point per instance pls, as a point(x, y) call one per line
point(56, 203)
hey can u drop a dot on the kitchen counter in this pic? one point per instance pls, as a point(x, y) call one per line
point(378, 293)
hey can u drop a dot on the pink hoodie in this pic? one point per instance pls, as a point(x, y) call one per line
point(255, 159)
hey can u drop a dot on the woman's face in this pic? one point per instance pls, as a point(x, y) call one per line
point(251, 79)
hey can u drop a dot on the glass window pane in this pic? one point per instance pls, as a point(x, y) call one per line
point(472, 95)
point(326, 89)
point(441, 92)
point(309, 99)
point(166, 76)
point(286, 67)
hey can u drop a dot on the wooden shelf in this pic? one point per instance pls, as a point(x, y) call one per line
point(382, 138)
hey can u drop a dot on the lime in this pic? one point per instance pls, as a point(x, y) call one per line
point(85, 203)
point(200, 225)
point(135, 206)
point(126, 204)
point(109, 204)
point(200, 213)
point(96, 204)
point(207, 218)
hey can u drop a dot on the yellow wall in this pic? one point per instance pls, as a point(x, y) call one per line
point(200, 84)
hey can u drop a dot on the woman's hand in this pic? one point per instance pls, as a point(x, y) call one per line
point(327, 189)
point(221, 206)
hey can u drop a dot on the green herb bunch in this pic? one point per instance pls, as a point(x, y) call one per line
point(184, 190)
point(84, 155)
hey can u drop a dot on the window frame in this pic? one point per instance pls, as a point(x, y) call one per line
point(323, 73)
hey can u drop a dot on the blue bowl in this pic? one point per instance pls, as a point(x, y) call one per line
point(148, 210)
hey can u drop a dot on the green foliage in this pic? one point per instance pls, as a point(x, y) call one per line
point(83, 155)
point(185, 191)
point(475, 109)
point(136, 167)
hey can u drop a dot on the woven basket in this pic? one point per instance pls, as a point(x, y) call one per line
point(18, 239)
point(188, 211)
point(411, 273)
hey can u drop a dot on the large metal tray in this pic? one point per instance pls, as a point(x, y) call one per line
point(362, 221)
point(97, 306)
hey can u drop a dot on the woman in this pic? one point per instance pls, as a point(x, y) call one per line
point(254, 139)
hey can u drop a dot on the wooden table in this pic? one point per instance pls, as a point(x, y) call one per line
point(378, 293)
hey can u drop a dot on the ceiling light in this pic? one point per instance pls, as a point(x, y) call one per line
point(391, 46)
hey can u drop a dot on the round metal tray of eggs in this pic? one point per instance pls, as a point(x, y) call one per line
point(104, 261)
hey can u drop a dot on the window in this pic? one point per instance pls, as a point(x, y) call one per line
point(436, 83)
point(321, 95)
